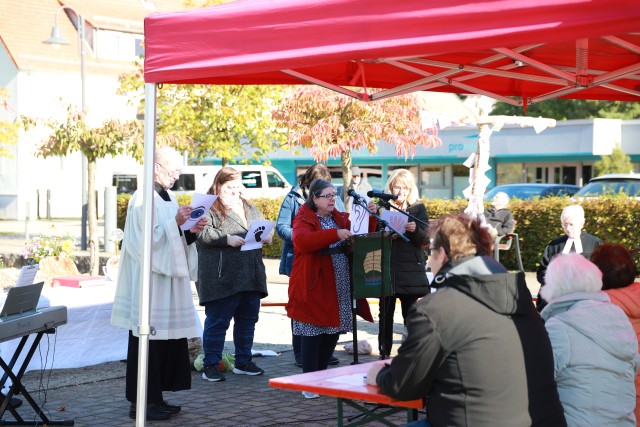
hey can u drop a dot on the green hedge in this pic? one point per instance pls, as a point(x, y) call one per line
point(614, 219)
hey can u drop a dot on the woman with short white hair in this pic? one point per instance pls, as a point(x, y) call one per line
point(595, 348)
point(574, 240)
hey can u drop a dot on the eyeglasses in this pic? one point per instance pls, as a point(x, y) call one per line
point(174, 173)
point(431, 250)
point(329, 196)
point(400, 188)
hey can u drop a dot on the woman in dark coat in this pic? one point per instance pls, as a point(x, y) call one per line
point(408, 260)
point(231, 282)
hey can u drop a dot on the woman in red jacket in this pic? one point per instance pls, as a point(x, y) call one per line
point(319, 289)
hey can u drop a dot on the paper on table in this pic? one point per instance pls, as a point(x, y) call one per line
point(27, 275)
point(395, 219)
point(352, 379)
point(256, 234)
point(200, 204)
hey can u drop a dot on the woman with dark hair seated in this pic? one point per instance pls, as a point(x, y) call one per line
point(618, 275)
point(476, 348)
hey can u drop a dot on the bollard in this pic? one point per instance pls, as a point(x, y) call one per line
point(27, 217)
point(48, 204)
point(110, 218)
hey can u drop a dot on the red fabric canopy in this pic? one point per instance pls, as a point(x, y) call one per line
point(524, 49)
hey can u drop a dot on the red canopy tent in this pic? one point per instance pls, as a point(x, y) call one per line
point(511, 50)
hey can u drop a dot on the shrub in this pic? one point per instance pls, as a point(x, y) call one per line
point(614, 219)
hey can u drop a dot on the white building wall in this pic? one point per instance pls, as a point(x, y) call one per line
point(45, 95)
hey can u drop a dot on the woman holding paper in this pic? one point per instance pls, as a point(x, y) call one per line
point(284, 228)
point(408, 260)
point(319, 289)
point(231, 281)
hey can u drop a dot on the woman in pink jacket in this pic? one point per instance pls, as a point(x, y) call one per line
point(618, 276)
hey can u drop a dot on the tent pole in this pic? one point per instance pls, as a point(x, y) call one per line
point(144, 327)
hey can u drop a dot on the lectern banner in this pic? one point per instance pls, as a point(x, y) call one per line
point(371, 257)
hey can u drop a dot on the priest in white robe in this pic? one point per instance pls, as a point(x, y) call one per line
point(574, 240)
point(173, 316)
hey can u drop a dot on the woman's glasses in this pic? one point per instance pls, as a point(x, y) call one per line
point(329, 196)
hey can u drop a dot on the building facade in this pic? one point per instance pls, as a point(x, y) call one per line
point(42, 82)
point(563, 154)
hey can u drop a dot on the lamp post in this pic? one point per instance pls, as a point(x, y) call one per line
point(56, 40)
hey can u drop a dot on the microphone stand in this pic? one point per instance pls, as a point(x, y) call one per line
point(386, 204)
point(361, 202)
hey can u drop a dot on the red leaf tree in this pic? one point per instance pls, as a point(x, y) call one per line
point(331, 124)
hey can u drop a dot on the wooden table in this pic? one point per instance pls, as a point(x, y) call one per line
point(347, 384)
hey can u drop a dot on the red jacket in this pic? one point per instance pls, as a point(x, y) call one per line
point(313, 297)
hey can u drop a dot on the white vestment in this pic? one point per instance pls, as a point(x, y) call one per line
point(174, 265)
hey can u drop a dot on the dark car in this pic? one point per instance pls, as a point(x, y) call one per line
point(531, 191)
point(611, 184)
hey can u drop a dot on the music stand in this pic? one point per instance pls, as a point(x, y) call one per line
point(370, 273)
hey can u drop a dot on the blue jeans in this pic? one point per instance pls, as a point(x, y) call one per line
point(244, 308)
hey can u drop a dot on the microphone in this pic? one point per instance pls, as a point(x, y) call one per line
point(380, 195)
point(355, 195)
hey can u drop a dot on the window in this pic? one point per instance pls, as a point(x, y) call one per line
point(119, 46)
point(186, 182)
point(432, 177)
point(274, 180)
point(508, 173)
point(126, 184)
point(251, 179)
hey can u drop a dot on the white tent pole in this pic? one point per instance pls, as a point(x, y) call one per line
point(144, 327)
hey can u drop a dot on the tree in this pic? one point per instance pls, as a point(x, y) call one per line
point(72, 135)
point(570, 109)
point(230, 122)
point(617, 162)
point(8, 130)
point(332, 124)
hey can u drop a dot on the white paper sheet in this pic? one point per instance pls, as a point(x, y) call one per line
point(359, 218)
point(258, 231)
point(27, 275)
point(352, 379)
point(395, 219)
point(200, 204)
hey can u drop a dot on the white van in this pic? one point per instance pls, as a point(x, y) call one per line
point(258, 180)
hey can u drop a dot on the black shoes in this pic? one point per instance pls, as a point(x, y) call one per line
point(172, 409)
point(14, 402)
point(154, 412)
point(333, 360)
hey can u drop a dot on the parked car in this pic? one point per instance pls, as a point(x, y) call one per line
point(258, 180)
point(531, 191)
point(614, 183)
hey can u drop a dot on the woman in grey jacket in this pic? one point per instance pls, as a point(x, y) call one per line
point(230, 282)
point(595, 348)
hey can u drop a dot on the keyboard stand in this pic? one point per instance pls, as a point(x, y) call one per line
point(18, 388)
